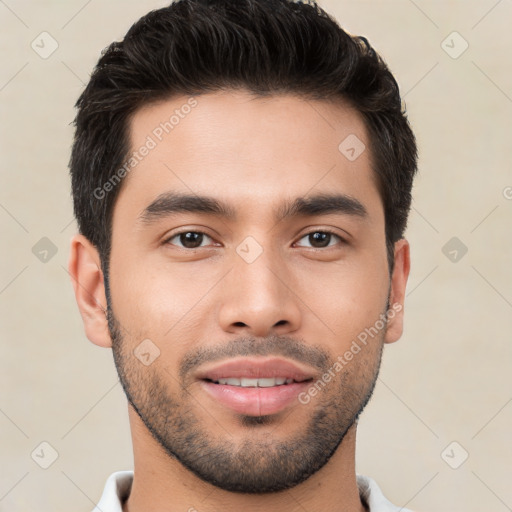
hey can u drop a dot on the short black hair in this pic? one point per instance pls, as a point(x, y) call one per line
point(266, 47)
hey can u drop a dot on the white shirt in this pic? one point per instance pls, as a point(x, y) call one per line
point(119, 484)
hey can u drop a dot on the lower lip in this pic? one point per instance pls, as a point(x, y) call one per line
point(255, 401)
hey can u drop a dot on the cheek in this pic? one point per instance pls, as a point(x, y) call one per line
point(346, 297)
point(156, 297)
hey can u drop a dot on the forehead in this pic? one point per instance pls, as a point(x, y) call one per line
point(247, 150)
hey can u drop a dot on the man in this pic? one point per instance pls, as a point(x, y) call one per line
point(242, 176)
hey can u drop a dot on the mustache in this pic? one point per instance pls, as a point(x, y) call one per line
point(284, 346)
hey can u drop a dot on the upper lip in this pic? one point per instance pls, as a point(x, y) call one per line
point(255, 368)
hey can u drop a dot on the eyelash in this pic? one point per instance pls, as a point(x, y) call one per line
point(328, 231)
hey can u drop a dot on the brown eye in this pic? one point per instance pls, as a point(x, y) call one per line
point(188, 239)
point(321, 239)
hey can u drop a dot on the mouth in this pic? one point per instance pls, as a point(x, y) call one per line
point(255, 387)
point(256, 372)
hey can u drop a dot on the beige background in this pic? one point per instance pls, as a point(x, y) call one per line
point(448, 379)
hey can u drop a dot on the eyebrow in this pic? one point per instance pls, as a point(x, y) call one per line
point(170, 203)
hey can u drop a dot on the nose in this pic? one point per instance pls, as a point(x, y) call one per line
point(258, 298)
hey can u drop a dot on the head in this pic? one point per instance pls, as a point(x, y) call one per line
point(278, 126)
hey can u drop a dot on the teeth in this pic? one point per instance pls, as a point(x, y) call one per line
point(266, 383)
point(248, 383)
point(253, 383)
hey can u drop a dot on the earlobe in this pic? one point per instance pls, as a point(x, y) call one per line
point(397, 294)
point(88, 282)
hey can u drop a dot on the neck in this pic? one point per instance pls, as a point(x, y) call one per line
point(162, 484)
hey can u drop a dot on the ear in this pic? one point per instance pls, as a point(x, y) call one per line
point(85, 269)
point(397, 292)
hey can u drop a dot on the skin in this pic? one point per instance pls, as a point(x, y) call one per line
point(253, 154)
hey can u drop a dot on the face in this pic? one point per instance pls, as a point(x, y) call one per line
point(229, 308)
